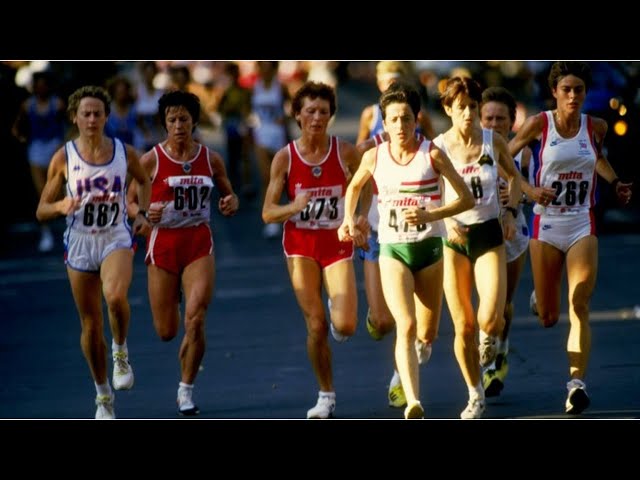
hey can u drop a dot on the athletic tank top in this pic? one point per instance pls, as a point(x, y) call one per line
point(481, 176)
point(185, 187)
point(569, 166)
point(101, 188)
point(399, 186)
point(327, 184)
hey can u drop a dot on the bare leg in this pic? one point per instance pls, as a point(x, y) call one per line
point(582, 268)
point(198, 280)
point(86, 293)
point(116, 273)
point(306, 278)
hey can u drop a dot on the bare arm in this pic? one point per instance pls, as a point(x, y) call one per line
point(351, 157)
point(530, 130)
point(604, 168)
point(465, 199)
point(347, 230)
point(366, 194)
point(365, 121)
point(542, 195)
point(272, 211)
point(49, 207)
point(138, 173)
point(229, 202)
point(456, 233)
point(148, 164)
point(512, 175)
point(141, 224)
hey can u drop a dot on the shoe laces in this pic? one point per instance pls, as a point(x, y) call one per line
point(475, 405)
point(487, 349)
point(121, 362)
point(105, 407)
point(487, 341)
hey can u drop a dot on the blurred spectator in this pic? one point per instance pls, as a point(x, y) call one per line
point(123, 119)
point(203, 85)
point(269, 126)
point(149, 130)
point(235, 107)
point(11, 98)
point(388, 72)
point(41, 125)
point(323, 72)
point(292, 74)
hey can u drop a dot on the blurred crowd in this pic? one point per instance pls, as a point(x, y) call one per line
point(33, 96)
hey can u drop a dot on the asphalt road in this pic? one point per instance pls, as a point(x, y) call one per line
point(256, 365)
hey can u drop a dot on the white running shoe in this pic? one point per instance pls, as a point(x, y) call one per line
point(324, 408)
point(186, 406)
point(533, 303)
point(577, 399)
point(488, 349)
point(475, 409)
point(105, 409)
point(424, 351)
point(122, 371)
point(340, 338)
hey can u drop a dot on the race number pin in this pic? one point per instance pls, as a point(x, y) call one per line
point(186, 167)
point(316, 171)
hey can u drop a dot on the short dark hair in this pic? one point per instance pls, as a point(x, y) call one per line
point(400, 92)
point(179, 98)
point(582, 70)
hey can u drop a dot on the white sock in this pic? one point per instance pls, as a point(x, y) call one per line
point(185, 386)
point(331, 395)
point(476, 392)
point(395, 380)
point(103, 389)
point(119, 348)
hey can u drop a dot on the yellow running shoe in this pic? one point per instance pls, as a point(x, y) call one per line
point(493, 377)
point(396, 396)
point(502, 366)
point(491, 383)
point(375, 334)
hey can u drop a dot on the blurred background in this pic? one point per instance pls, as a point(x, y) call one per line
point(33, 97)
